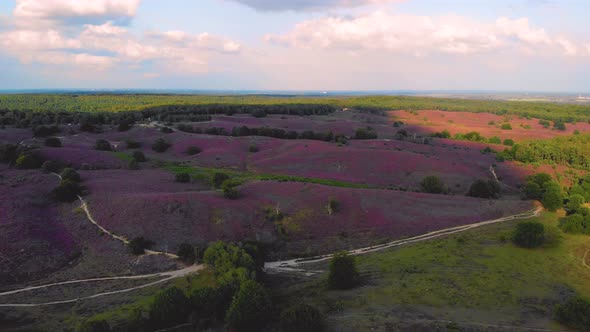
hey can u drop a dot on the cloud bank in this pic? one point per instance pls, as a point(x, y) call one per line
point(299, 5)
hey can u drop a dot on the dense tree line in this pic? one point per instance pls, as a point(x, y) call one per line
point(573, 151)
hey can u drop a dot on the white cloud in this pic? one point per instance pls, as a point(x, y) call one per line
point(297, 5)
point(66, 10)
point(417, 35)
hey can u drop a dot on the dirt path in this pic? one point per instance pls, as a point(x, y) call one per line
point(291, 266)
point(165, 275)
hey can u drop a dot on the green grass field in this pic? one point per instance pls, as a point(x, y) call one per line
point(477, 278)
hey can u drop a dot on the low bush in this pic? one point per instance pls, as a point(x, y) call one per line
point(230, 192)
point(53, 142)
point(219, 179)
point(433, 185)
point(161, 145)
point(343, 272)
point(301, 317)
point(484, 189)
point(51, 166)
point(44, 131)
point(529, 234)
point(183, 178)
point(70, 174)
point(67, 191)
point(506, 126)
point(166, 130)
point(259, 113)
point(509, 142)
point(250, 308)
point(139, 157)
point(29, 160)
point(103, 145)
point(575, 313)
point(138, 245)
point(94, 325)
point(253, 149)
point(132, 144)
point(193, 150)
point(186, 252)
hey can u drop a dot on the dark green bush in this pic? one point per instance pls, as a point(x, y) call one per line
point(253, 149)
point(219, 179)
point(433, 185)
point(8, 153)
point(94, 325)
point(509, 142)
point(259, 113)
point(529, 234)
point(53, 142)
point(170, 307)
point(132, 144)
point(67, 191)
point(552, 197)
point(250, 308)
point(484, 189)
point(575, 202)
point(51, 166)
point(343, 272)
point(224, 257)
point(29, 160)
point(183, 178)
point(301, 317)
point(575, 313)
point(160, 145)
point(230, 192)
point(103, 145)
point(193, 150)
point(186, 252)
point(506, 126)
point(138, 245)
point(139, 157)
point(70, 174)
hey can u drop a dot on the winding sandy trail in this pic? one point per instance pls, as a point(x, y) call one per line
point(165, 275)
point(291, 266)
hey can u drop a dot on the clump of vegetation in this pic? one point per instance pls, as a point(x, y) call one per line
point(51, 166)
point(253, 149)
point(506, 126)
point(484, 189)
point(183, 177)
point(132, 144)
point(103, 145)
point(139, 157)
point(170, 307)
point(44, 131)
point(333, 206)
point(443, 134)
point(29, 160)
point(301, 317)
point(67, 191)
point(249, 309)
point(8, 153)
point(94, 325)
point(70, 174)
point(219, 179)
point(343, 272)
point(259, 113)
point(529, 234)
point(124, 125)
point(398, 124)
point(575, 313)
point(193, 150)
point(138, 245)
point(166, 130)
point(558, 125)
point(508, 142)
point(552, 197)
point(495, 140)
point(161, 145)
point(365, 133)
point(434, 185)
point(186, 252)
point(53, 142)
point(230, 191)
point(545, 123)
point(542, 187)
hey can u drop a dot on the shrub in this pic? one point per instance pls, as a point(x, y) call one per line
point(230, 192)
point(170, 307)
point(8, 153)
point(495, 140)
point(44, 131)
point(552, 198)
point(124, 126)
point(253, 149)
point(492, 123)
point(343, 272)
point(67, 191)
point(94, 325)
point(139, 157)
point(167, 130)
point(301, 317)
point(249, 309)
point(484, 189)
point(160, 145)
point(53, 142)
point(575, 313)
point(397, 124)
point(259, 113)
point(532, 190)
point(575, 202)
point(545, 123)
point(103, 145)
point(132, 144)
point(509, 142)
point(193, 150)
point(574, 224)
point(333, 206)
point(51, 166)
point(138, 245)
point(433, 185)
point(186, 252)
point(28, 160)
point(70, 174)
point(558, 125)
point(183, 178)
point(224, 257)
point(443, 134)
point(219, 179)
point(529, 234)
point(506, 126)
point(365, 133)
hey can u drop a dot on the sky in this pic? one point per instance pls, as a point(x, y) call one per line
point(321, 45)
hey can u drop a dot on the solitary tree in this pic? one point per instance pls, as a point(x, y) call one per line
point(249, 309)
point(529, 234)
point(433, 185)
point(343, 272)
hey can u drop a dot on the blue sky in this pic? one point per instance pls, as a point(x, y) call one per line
point(539, 45)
